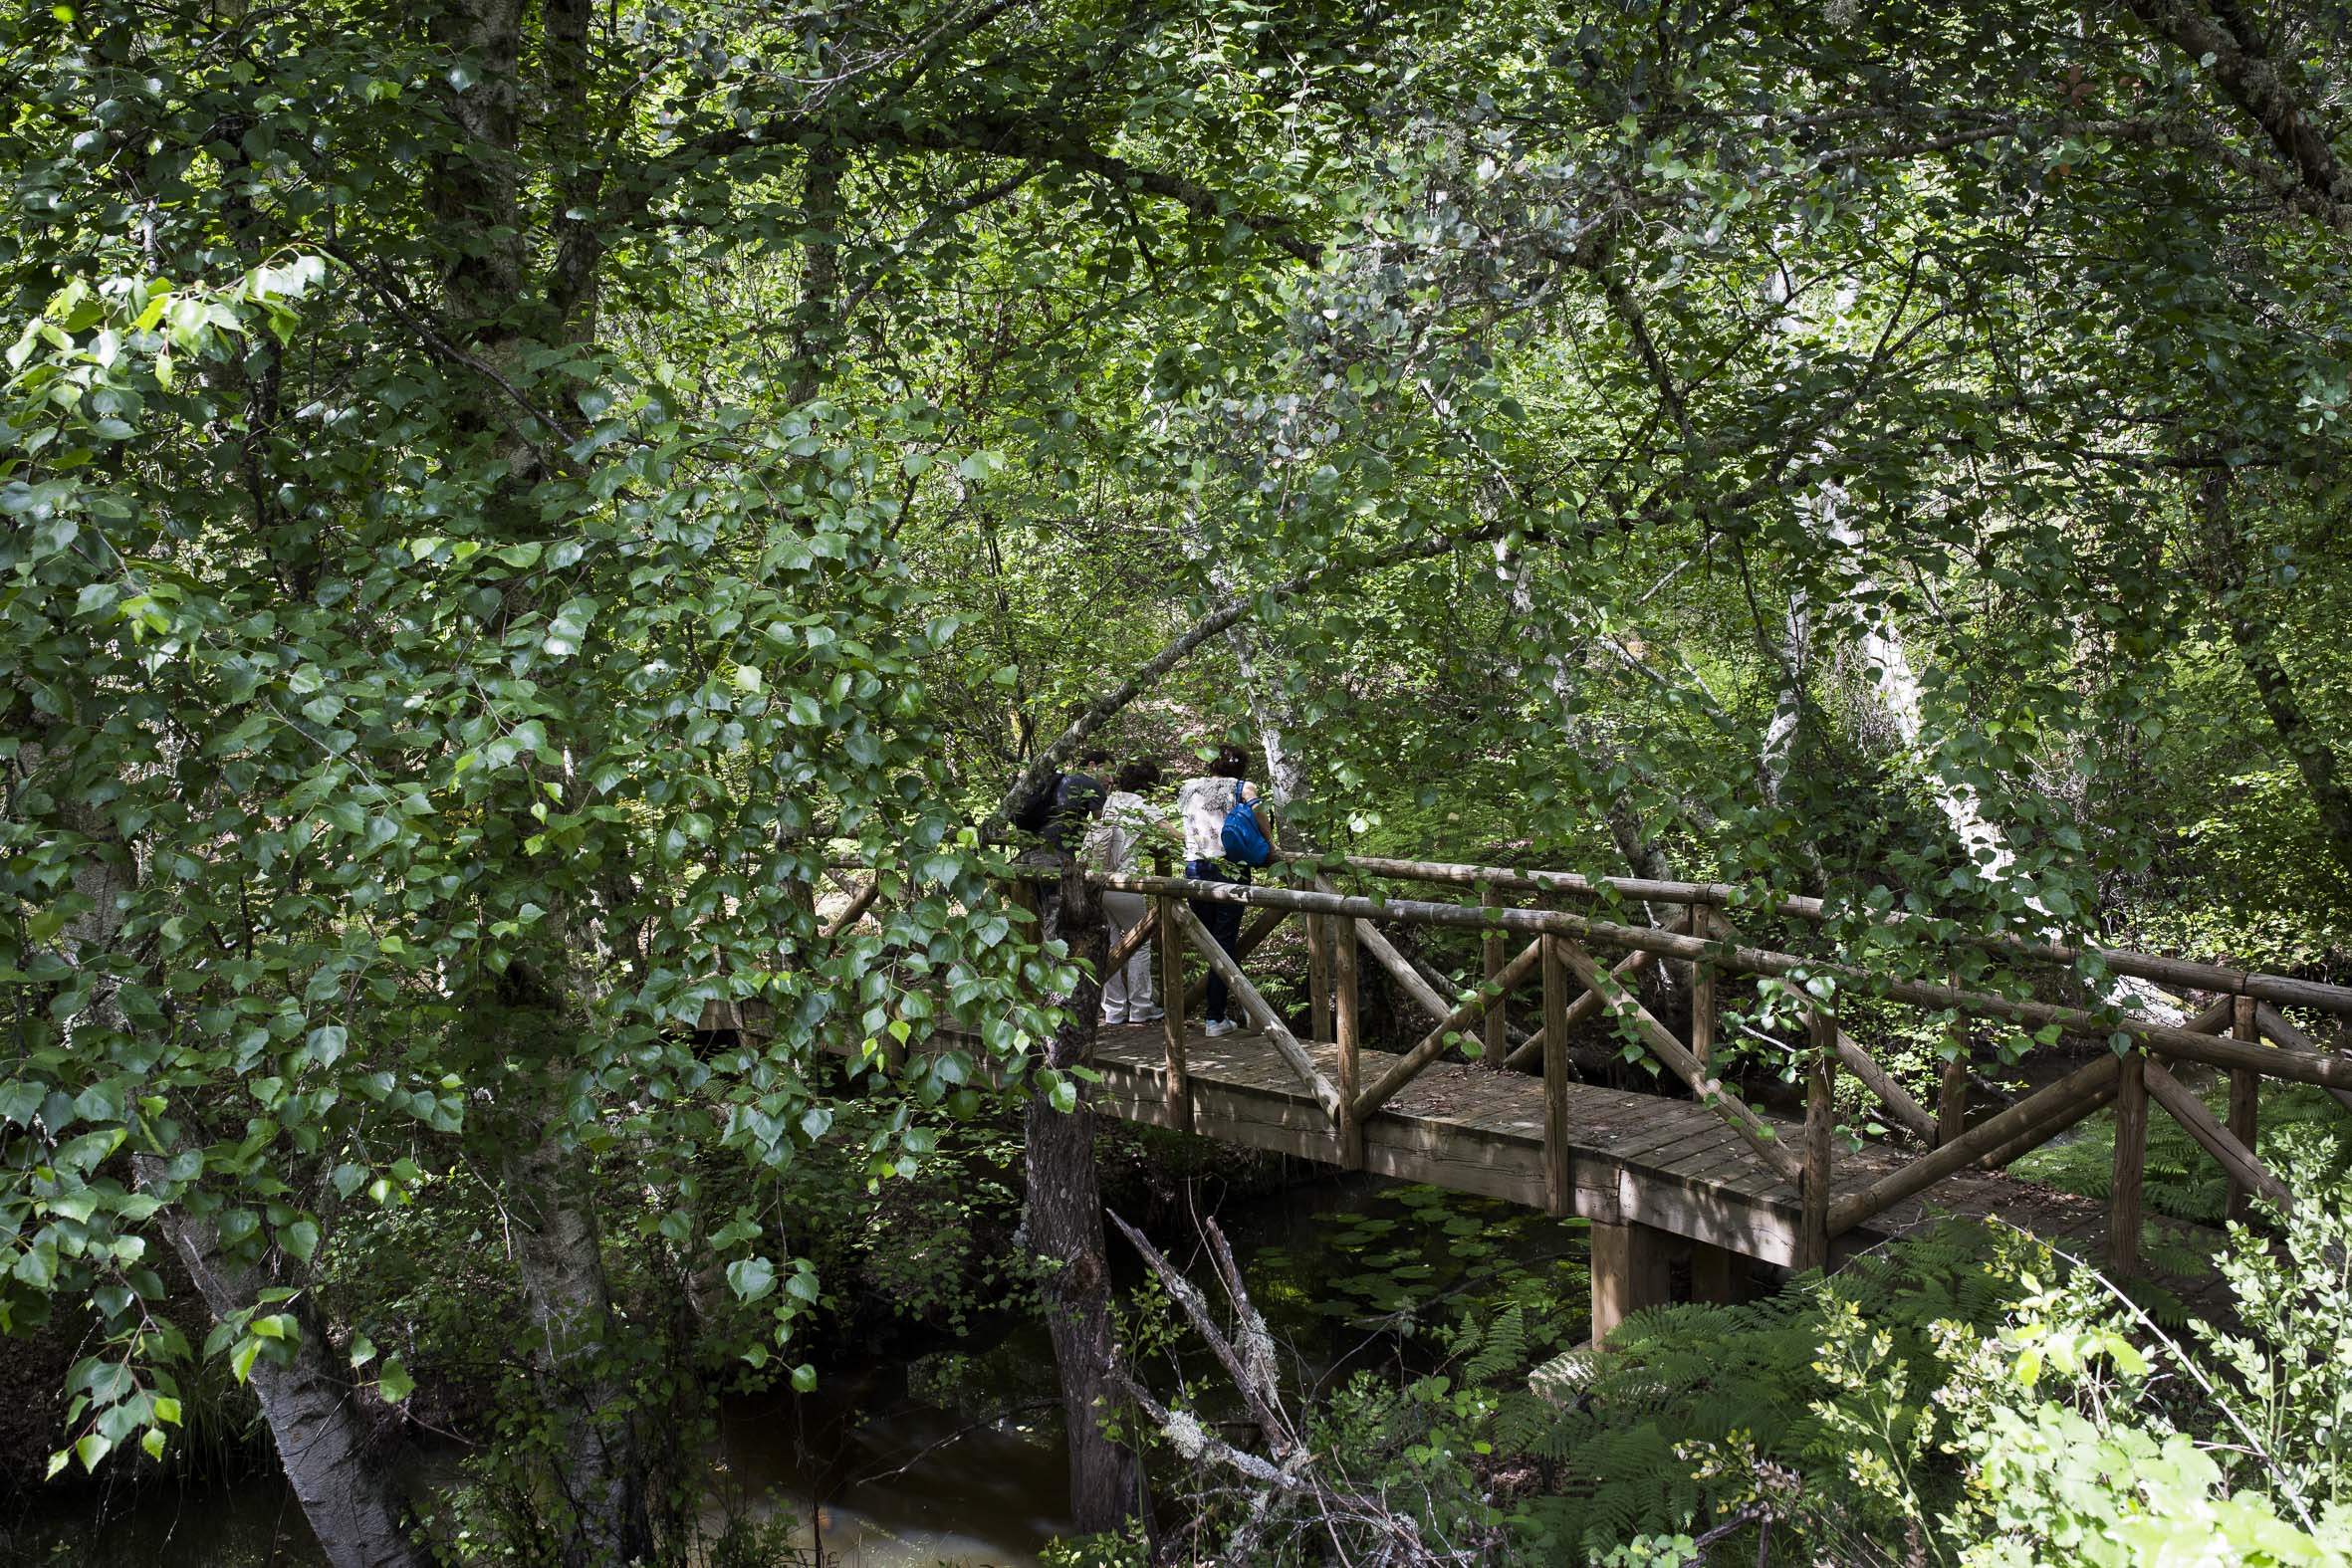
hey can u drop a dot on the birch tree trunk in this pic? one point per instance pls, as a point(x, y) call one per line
point(1896, 687)
point(580, 1368)
point(340, 1468)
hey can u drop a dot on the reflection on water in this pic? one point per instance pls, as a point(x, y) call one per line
point(903, 1485)
point(255, 1524)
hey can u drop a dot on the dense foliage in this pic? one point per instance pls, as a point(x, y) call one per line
point(502, 501)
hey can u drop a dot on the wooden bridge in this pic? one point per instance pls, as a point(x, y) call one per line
point(1704, 1182)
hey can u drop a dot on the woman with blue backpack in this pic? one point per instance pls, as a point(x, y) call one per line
point(1225, 837)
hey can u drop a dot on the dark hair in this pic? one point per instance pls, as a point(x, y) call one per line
point(1093, 757)
point(1139, 775)
point(1231, 763)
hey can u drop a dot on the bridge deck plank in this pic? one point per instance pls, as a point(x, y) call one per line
point(1668, 1163)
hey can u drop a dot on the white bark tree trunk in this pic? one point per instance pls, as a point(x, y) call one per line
point(340, 1469)
point(1896, 687)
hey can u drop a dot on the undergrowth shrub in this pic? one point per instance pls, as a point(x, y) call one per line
point(1695, 1413)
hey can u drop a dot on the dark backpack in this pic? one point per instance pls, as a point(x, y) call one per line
point(1035, 808)
point(1077, 799)
point(1062, 803)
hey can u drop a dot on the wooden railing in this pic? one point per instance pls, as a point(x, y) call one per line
point(2242, 1033)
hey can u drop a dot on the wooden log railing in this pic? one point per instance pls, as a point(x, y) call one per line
point(2241, 1033)
point(2180, 973)
point(2260, 1043)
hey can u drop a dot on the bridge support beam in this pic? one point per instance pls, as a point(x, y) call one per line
point(1630, 1271)
point(1719, 1275)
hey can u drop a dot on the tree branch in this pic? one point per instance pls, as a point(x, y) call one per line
point(1215, 624)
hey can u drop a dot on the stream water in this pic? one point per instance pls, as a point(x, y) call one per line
point(879, 1467)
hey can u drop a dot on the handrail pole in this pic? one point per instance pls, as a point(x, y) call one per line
point(2246, 1098)
point(2131, 1163)
point(1812, 1236)
point(1347, 1032)
point(1559, 1194)
point(1172, 1027)
point(2185, 973)
point(1494, 953)
point(2168, 1040)
point(1702, 994)
point(1952, 1098)
point(1318, 978)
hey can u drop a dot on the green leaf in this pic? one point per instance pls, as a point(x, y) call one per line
point(299, 1238)
point(750, 1277)
point(394, 1382)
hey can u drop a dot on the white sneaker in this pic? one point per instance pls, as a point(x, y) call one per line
point(1148, 1015)
point(1106, 1022)
point(1217, 1026)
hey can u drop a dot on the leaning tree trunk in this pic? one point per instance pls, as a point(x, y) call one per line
point(340, 1469)
point(1062, 1222)
point(338, 1465)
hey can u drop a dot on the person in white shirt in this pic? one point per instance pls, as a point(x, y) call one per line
point(1203, 804)
point(1115, 846)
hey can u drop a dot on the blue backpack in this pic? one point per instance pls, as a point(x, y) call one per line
point(1243, 839)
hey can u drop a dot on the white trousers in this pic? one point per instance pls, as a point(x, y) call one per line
point(1126, 990)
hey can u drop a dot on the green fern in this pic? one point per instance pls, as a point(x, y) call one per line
point(1618, 1429)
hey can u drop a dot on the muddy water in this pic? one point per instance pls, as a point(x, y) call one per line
point(865, 1472)
point(874, 1477)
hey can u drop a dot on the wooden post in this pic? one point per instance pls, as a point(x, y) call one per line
point(2131, 1158)
point(1703, 1015)
point(1318, 978)
point(1495, 952)
point(1951, 1097)
point(1629, 1272)
point(1345, 1028)
point(2246, 1097)
point(1171, 945)
point(1813, 1240)
point(1559, 1193)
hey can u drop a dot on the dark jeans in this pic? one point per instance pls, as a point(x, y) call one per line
point(1223, 920)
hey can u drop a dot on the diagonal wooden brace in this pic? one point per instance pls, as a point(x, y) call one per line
point(1431, 1045)
point(1678, 1060)
point(2201, 1124)
point(1254, 934)
point(1239, 984)
point(2049, 1111)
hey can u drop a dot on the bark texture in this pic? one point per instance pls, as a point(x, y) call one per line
point(578, 1362)
point(2225, 41)
point(1062, 1223)
point(340, 1469)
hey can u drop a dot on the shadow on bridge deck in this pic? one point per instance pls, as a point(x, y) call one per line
point(1657, 1177)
